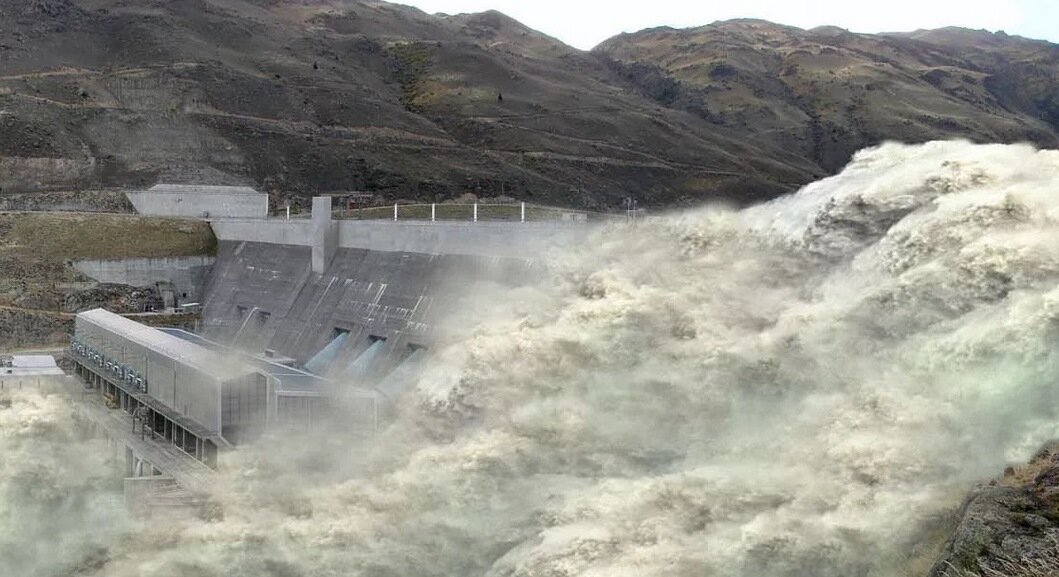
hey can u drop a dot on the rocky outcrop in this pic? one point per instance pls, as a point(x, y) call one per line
point(29, 328)
point(116, 298)
point(1009, 527)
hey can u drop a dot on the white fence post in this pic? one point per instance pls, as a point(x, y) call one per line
point(433, 211)
point(395, 212)
point(523, 218)
point(476, 212)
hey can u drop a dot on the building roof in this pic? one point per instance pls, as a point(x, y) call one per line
point(188, 353)
point(32, 366)
point(200, 189)
point(289, 380)
point(33, 361)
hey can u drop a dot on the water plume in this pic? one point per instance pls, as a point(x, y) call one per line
point(60, 500)
point(792, 389)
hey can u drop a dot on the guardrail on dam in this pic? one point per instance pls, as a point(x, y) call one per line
point(489, 239)
point(295, 287)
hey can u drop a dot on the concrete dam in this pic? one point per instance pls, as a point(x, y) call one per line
point(292, 287)
point(305, 324)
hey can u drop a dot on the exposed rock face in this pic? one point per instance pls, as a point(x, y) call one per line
point(74, 201)
point(30, 328)
point(997, 523)
point(1010, 527)
point(116, 298)
point(331, 95)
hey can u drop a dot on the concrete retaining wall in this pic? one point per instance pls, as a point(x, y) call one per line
point(489, 239)
point(186, 275)
point(271, 231)
point(200, 202)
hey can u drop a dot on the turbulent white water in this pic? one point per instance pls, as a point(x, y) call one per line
point(789, 390)
point(59, 501)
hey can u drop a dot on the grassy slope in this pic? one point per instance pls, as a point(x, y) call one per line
point(54, 236)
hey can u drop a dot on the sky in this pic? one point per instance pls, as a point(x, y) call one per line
point(585, 23)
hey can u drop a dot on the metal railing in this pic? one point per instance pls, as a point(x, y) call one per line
point(471, 212)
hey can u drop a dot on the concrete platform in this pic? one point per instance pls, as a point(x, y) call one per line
point(190, 473)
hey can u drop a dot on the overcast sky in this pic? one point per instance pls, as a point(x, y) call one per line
point(585, 23)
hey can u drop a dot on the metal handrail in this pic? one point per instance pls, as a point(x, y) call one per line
point(474, 212)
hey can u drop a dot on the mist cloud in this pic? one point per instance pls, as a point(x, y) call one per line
point(789, 390)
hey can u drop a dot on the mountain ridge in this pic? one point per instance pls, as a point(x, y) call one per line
point(306, 97)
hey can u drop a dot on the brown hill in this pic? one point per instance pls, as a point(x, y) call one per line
point(826, 93)
point(311, 96)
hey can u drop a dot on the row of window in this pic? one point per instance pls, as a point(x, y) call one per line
point(120, 371)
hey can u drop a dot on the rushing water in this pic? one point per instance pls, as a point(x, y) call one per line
point(789, 390)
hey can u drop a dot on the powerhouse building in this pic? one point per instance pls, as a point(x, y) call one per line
point(302, 400)
point(204, 396)
point(196, 398)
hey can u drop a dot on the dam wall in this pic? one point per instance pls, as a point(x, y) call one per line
point(488, 239)
point(266, 297)
point(346, 290)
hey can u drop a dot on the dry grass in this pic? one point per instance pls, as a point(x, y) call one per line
point(36, 249)
point(1044, 565)
point(58, 236)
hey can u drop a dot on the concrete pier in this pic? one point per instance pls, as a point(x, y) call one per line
point(324, 234)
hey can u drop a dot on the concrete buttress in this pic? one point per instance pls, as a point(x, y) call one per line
point(324, 234)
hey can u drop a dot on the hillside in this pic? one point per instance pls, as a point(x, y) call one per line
point(308, 96)
point(826, 93)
